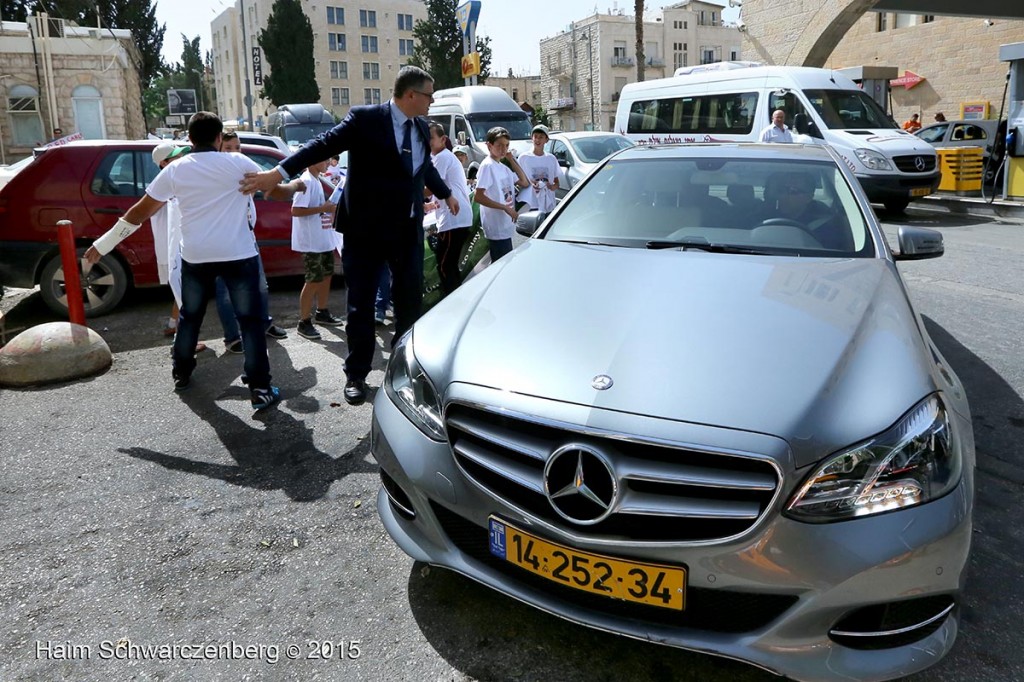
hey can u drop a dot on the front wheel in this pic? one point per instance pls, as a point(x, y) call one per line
point(896, 205)
point(102, 289)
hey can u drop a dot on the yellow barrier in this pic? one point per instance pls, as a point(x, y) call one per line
point(962, 169)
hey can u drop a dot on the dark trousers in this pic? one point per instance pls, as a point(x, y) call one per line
point(364, 257)
point(198, 284)
point(449, 253)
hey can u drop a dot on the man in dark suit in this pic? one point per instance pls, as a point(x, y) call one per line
point(381, 210)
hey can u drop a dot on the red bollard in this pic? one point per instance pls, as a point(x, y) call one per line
point(72, 283)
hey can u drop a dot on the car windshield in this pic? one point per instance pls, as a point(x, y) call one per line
point(770, 207)
point(845, 109)
point(300, 134)
point(933, 133)
point(517, 125)
point(592, 149)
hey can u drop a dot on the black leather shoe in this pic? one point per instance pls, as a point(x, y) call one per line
point(355, 392)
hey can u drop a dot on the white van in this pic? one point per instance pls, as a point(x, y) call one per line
point(475, 109)
point(735, 102)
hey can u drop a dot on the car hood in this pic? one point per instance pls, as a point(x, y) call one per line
point(822, 353)
point(888, 141)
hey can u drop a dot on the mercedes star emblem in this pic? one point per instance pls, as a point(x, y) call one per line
point(580, 484)
point(919, 163)
point(602, 382)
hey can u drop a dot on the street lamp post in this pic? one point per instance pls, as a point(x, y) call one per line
point(590, 58)
point(245, 65)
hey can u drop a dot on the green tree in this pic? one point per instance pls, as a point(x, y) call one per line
point(541, 117)
point(192, 70)
point(287, 44)
point(437, 46)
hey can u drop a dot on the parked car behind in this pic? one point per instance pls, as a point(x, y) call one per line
point(91, 183)
point(578, 153)
point(263, 140)
point(716, 423)
point(988, 134)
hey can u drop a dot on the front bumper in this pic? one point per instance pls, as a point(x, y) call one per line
point(898, 185)
point(769, 597)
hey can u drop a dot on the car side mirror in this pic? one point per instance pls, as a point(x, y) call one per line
point(918, 243)
point(563, 161)
point(529, 221)
point(462, 137)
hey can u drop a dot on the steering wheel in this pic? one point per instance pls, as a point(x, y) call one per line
point(784, 221)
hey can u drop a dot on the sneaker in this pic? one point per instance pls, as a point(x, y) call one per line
point(307, 330)
point(275, 332)
point(181, 382)
point(379, 316)
point(265, 397)
point(323, 316)
point(234, 347)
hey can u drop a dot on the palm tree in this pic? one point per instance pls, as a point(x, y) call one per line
point(638, 11)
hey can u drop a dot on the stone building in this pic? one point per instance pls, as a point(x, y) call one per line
point(584, 68)
point(957, 56)
point(359, 51)
point(55, 74)
point(523, 89)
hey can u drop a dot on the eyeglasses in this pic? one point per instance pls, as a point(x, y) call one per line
point(428, 95)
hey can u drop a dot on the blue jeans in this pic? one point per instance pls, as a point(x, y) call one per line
point(227, 314)
point(384, 291)
point(499, 247)
point(198, 284)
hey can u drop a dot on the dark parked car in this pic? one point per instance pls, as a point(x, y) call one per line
point(697, 408)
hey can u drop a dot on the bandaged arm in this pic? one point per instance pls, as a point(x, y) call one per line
point(121, 230)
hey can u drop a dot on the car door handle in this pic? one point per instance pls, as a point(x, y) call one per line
point(110, 211)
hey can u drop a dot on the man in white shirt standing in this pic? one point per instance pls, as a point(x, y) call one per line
point(215, 242)
point(777, 131)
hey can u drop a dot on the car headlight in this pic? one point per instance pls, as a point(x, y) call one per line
point(411, 390)
point(914, 462)
point(872, 159)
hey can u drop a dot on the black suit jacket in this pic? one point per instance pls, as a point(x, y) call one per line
point(379, 192)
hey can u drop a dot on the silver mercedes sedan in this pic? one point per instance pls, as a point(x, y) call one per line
point(696, 408)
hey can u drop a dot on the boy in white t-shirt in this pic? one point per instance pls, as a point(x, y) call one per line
point(313, 236)
point(542, 171)
point(496, 192)
point(216, 241)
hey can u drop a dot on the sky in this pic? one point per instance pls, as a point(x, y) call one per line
point(516, 27)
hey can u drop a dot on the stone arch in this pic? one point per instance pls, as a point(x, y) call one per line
point(798, 32)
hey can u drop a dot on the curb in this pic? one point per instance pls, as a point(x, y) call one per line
point(971, 206)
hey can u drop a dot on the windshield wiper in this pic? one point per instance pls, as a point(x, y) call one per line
point(588, 242)
point(704, 245)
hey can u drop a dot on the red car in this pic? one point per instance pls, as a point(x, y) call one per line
point(91, 183)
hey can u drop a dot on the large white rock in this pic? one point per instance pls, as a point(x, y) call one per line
point(52, 352)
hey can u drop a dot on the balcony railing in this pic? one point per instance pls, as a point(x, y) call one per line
point(654, 61)
point(616, 96)
point(561, 103)
point(622, 61)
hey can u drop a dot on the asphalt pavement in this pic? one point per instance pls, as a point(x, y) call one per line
point(150, 535)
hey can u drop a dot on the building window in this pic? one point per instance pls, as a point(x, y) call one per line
point(339, 70)
point(87, 104)
point(371, 71)
point(882, 23)
point(677, 60)
point(685, 25)
point(336, 15)
point(734, 55)
point(927, 18)
point(619, 50)
point(367, 18)
point(336, 42)
point(371, 95)
point(405, 47)
point(26, 123)
point(515, 94)
point(404, 22)
point(335, 96)
point(369, 43)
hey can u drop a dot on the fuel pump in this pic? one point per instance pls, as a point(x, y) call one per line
point(1014, 175)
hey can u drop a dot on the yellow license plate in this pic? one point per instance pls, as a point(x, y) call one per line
point(631, 581)
point(920, 191)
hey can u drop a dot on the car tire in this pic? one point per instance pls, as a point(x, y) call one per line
point(102, 289)
point(896, 205)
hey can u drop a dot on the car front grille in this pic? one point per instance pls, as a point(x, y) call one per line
point(909, 163)
point(666, 494)
point(727, 611)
